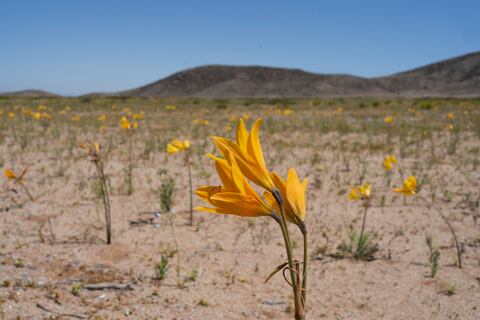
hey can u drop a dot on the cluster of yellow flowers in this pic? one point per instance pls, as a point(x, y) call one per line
point(127, 124)
point(203, 122)
point(170, 107)
point(176, 146)
point(389, 162)
point(284, 112)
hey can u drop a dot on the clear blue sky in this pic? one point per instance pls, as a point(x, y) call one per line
point(75, 47)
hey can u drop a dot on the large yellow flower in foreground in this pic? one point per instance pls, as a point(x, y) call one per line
point(247, 152)
point(389, 162)
point(361, 192)
point(176, 146)
point(236, 196)
point(293, 194)
point(409, 187)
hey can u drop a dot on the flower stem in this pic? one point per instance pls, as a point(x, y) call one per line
point(187, 159)
point(362, 229)
point(455, 239)
point(299, 310)
point(303, 228)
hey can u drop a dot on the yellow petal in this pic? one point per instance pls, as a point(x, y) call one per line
point(296, 194)
point(171, 149)
point(10, 174)
point(242, 135)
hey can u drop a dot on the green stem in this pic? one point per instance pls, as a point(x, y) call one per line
point(455, 239)
point(299, 311)
point(190, 185)
point(303, 228)
point(362, 229)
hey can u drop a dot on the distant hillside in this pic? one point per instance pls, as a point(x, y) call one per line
point(457, 77)
point(29, 94)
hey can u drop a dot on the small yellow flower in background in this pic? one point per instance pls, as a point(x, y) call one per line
point(11, 115)
point(126, 124)
point(450, 116)
point(75, 118)
point(450, 127)
point(339, 110)
point(138, 116)
point(12, 176)
point(227, 128)
point(46, 116)
point(176, 146)
point(37, 115)
point(203, 122)
point(409, 187)
point(388, 120)
point(102, 118)
point(233, 118)
point(42, 107)
point(389, 162)
point(245, 117)
point(127, 110)
point(170, 107)
point(361, 192)
point(92, 149)
point(248, 154)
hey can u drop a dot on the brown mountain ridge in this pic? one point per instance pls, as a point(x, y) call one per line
point(455, 77)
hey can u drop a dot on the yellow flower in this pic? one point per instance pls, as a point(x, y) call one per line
point(450, 127)
point(236, 196)
point(450, 116)
point(11, 115)
point(389, 162)
point(409, 187)
point(234, 118)
point(42, 107)
point(247, 152)
point(361, 192)
point(388, 120)
point(245, 117)
point(227, 128)
point(339, 109)
point(12, 176)
point(200, 121)
point(138, 116)
point(102, 117)
point(75, 118)
point(287, 112)
point(92, 150)
point(293, 194)
point(37, 115)
point(170, 107)
point(176, 146)
point(126, 124)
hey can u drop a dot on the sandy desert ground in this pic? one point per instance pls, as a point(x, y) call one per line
point(53, 251)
